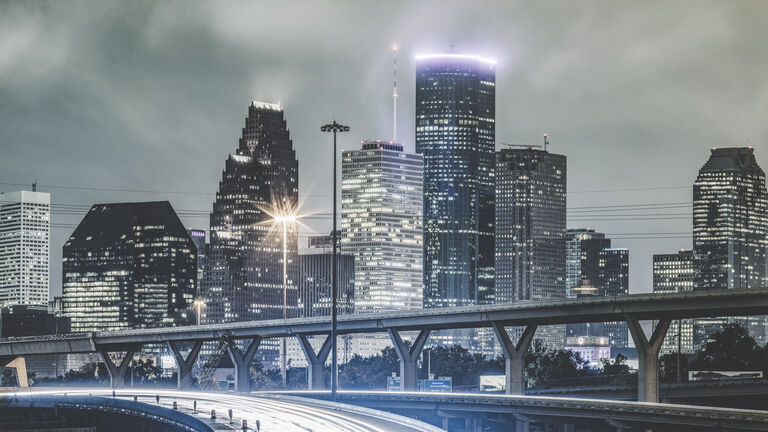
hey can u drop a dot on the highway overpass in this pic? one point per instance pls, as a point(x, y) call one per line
point(630, 308)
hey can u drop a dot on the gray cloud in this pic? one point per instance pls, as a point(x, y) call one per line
point(152, 95)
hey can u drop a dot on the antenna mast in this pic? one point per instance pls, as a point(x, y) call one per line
point(546, 141)
point(394, 94)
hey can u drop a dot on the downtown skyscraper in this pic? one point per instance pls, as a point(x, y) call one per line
point(381, 222)
point(583, 246)
point(315, 278)
point(730, 229)
point(25, 242)
point(129, 265)
point(455, 131)
point(613, 280)
point(243, 278)
point(530, 225)
point(530, 230)
point(673, 273)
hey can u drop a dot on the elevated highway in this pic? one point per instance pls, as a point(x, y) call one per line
point(630, 308)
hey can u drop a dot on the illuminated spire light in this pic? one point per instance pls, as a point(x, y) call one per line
point(455, 56)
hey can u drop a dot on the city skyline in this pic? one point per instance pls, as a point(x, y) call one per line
point(529, 102)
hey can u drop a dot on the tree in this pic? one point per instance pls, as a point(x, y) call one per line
point(668, 367)
point(463, 367)
point(543, 364)
point(731, 349)
point(617, 366)
point(362, 373)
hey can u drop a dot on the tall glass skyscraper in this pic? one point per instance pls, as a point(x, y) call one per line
point(730, 225)
point(530, 230)
point(25, 242)
point(530, 225)
point(129, 265)
point(455, 131)
point(381, 222)
point(243, 277)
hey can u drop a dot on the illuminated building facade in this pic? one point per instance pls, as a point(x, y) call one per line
point(582, 247)
point(730, 225)
point(455, 131)
point(198, 237)
point(25, 241)
point(530, 230)
point(613, 280)
point(129, 265)
point(673, 273)
point(381, 222)
point(243, 278)
point(315, 278)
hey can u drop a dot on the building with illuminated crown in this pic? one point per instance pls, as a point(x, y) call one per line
point(243, 278)
point(455, 132)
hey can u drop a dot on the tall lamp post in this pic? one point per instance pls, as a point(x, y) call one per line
point(199, 303)
point(334, 127)
point(284, 220)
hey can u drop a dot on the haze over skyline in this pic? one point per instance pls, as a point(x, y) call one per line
point(152, 96)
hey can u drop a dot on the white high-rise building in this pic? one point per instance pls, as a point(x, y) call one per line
point(25, 241)
point(381, 222)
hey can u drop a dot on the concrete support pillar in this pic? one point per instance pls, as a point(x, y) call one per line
point(569, 427)
point(522, 425)
point(315, 361)
point(648, 357)
point(184, 378)
point(408, 356)
point(514, 354)
point(242, 361)
point(117, 372)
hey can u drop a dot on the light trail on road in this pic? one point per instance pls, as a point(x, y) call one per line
point(273, 415)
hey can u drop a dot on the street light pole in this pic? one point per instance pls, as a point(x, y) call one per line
point(334, 127)
point(285, 298)
point(284, 220)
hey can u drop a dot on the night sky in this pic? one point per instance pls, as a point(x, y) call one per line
point(141, 96)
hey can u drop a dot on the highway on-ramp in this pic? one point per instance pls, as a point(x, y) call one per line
point(274, 415)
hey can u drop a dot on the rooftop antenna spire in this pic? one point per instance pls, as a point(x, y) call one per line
point(394, 94)
point(546, 141)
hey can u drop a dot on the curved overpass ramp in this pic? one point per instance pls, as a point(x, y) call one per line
point(272, 414)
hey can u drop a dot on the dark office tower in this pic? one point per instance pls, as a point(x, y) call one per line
point(530, 230)
point(583, 247)
point(455, 131)
point(730, 224)
point(129, 265)
point(530, 225)
point(244, 265)
point(673, 273)
point(613, 280)
point(198, 237)
point(315, 278)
